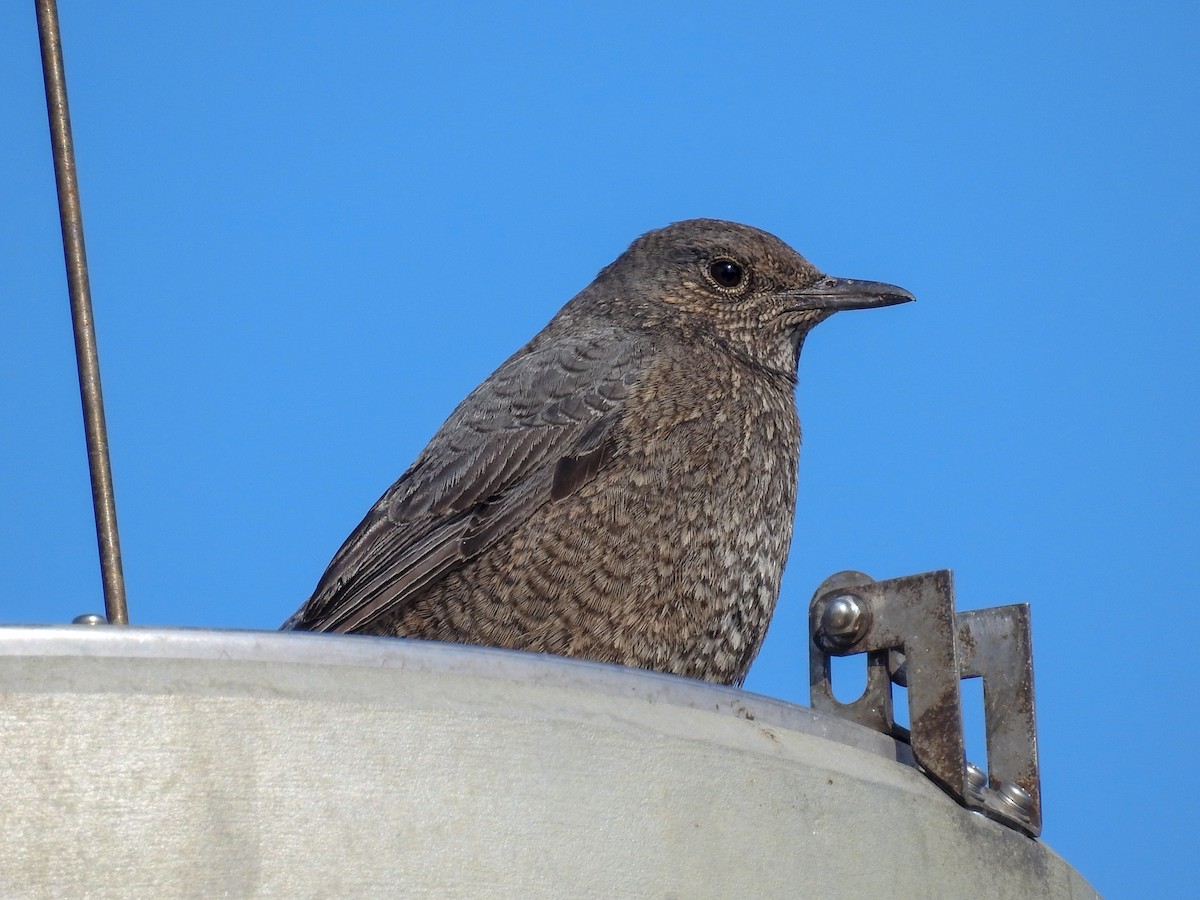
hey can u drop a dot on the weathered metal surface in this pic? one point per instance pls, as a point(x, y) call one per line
point(909, 631)
point(996, 645)
point(196, 763)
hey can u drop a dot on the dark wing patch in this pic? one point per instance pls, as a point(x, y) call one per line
point(539, 428)
point(573, 472)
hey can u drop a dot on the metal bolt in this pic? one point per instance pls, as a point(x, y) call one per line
point(89, 619)
point(843, 620)
point(976, 780)
point(1016, 797)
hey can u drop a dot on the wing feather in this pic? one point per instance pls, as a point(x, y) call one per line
point(542, 426)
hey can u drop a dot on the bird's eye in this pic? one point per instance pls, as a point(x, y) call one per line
point(726, 273)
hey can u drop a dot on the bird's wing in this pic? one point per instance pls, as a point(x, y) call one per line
point(534, 432)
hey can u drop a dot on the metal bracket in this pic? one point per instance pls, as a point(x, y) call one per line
point(911, 635)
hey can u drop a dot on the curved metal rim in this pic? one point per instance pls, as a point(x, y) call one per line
point(433, 657)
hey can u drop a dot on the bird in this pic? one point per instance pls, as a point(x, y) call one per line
point(622, 489)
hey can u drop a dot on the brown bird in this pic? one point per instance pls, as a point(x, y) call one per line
point(622, 488)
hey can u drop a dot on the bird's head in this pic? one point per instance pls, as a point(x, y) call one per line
point(739, 286)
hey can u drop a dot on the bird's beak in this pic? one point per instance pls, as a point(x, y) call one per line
point(835, 294)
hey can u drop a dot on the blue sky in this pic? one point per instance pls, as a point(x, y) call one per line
point(313, 230)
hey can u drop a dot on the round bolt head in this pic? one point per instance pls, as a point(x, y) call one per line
point(976, 777)
point(1016, 796)
point(89, 619)
point(843, 620)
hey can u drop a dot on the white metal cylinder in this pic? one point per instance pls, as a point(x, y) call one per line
point(170, 763)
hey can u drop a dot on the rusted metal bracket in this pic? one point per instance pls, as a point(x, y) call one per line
point(911, 635)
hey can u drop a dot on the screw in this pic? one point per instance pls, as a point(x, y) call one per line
point(89, 619)
point(843, 621)
point(976, 781)
point(1016, 797)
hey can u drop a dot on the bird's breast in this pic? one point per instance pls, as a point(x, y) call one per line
point(722, 429)
point(707, 466)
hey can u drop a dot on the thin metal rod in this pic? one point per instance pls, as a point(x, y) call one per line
point(86, 355)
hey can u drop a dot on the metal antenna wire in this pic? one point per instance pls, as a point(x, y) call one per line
point(87, 359)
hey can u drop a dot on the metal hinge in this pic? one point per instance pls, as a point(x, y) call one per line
point(911, 635)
